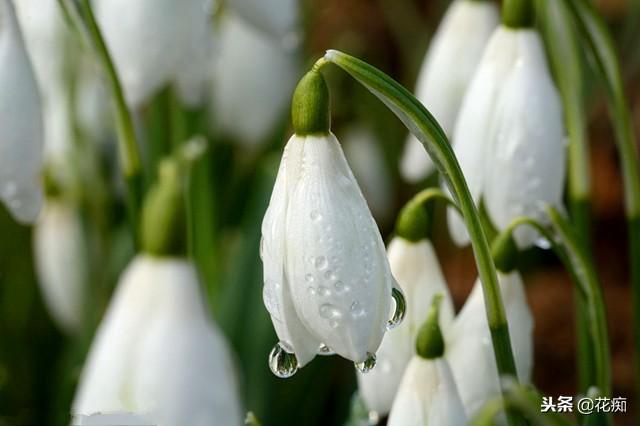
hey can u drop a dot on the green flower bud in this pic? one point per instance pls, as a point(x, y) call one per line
point(413, 222)
point(505, 252)
point(310, 106)
point(163, 227)
point(430, 343)
point(518, 13)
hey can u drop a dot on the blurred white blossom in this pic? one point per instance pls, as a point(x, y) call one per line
point(159, 42)
point(469, 348)
point(416, 267)
point(254, 77)
point(157, 354)
point(59, 251)
point(447, 69)
point(327, 280)
point(21, 128)
point(428, 395)
point(510, 138)
point(277, 18)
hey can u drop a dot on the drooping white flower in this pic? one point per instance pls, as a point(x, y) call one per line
point(327, 280)
point(254, 77)
point(277, 18)
point(21, 132)
point(46, 35)
point(428, 395)
point(366, 158)
point(509, 137)
point(448, 68)
point(469, 348)
point(416, 267)
point(157, 355)
point(59, 252)
point(158, 42)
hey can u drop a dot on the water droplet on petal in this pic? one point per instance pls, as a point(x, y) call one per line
point(357, 310)
point(282, 363)
point(325, 350)
point(543, 243)
point(315, 215)
point(399, 309)
point(368, 364)
point(309, 278)
point(321, 263)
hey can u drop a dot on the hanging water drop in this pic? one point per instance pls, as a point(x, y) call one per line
point(543, 243)
point(368, 364)
point(399, 310)
point(282, 363)
point(325, 350)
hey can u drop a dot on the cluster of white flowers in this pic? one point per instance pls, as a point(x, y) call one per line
point(330, 285)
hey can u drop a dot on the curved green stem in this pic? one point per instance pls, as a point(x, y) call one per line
point(427, 195)
point(604, 54)
point(567, 246)
point(427, 130)
point(127, 141)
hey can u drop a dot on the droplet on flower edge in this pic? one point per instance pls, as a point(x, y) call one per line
point(399, 310)
point(325, 350)
point(366, 365)
point(283, 364)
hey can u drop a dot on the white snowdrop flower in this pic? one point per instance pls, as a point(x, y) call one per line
point(509, 137)
point(21, 129)
point(415, 265)
point(157, 355)
point(158, 42)
point(447, 69)
point(327, 280)
point(59, 251)
point(469, 348)
point(277, 18)
point(428, 394)
point(254, 77)
point(363, 151)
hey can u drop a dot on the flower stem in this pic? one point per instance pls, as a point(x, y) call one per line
point(603, 51)
point(426, 129)
point(127, 140)
point(567, 246)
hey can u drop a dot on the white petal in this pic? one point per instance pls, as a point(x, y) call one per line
point(527, 167)
point(336, 262)
point(253, 82)
point(21, 131)
point(469, 349)
point(474, 130)
point(278, 18)
point(154, 42)
point(276, 292)
point(183, 368)
point(105, 384)
point(417, 270)
point(363, 151)
point(59, 252)
point(448, 67)
point(157, 355)
point(427, 396)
